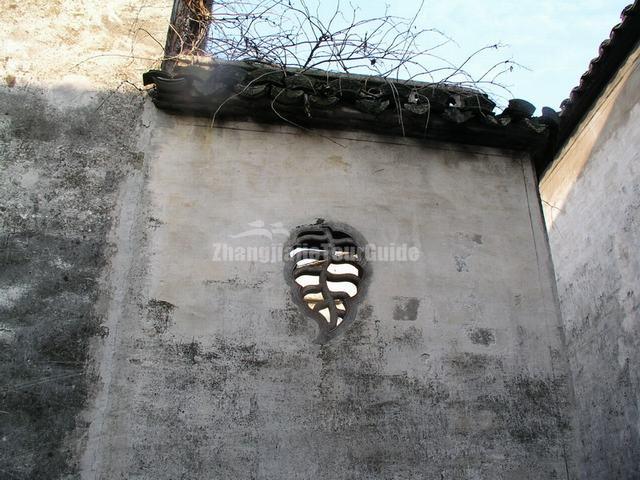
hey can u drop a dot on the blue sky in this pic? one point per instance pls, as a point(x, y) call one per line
point(554, 39)
point(550, 41)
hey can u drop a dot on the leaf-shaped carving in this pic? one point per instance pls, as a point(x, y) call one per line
point(326, 270)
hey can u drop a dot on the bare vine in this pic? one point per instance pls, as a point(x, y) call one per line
point(299, 35)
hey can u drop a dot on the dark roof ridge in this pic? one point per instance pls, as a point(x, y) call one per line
point(612, 53)
point(244, 90)
point(211, 62)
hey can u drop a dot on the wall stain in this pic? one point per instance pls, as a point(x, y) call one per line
point(411, 337)
point(160, 313)
point(236, 282)
point(406, 308)
point(295, 323)
point(461, 263)
point(482, 336)
point(473, 364)
point(338, 161)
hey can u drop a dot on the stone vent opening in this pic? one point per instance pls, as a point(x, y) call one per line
point(326, 272)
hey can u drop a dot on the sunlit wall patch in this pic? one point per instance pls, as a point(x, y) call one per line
point(327, 271)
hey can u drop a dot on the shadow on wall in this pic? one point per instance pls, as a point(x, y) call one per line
point(559, 180)
point(591, 200)
point(63, 153)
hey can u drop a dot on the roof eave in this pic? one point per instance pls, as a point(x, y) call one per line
point(326, 100)
point(612, 55)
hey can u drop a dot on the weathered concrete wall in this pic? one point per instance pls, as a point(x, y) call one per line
point(68, 134)
point(591, 198)
point(202, 369)
point(453, 368)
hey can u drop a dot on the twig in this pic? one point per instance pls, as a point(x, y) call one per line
point(292, 34)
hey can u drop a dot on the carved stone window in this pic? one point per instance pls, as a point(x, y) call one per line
point(326, 271)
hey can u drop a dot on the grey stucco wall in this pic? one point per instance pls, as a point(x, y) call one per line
point(126, 352)
point(591, 197)
point(453, 369)
point(69, 129)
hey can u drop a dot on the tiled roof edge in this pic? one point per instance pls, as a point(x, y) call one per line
point(250, 90)
point(612, 54)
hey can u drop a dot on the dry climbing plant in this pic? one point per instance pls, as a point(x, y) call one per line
point(300, 35)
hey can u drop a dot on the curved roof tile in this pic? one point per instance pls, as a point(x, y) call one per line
point(611, 54)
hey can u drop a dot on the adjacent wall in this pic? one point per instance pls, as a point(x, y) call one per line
point(453, 368)
point(69, 127)
point(591, 197)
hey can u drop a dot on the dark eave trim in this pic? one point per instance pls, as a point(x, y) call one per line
point(327, 100)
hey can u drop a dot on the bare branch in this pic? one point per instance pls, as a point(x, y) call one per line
point(299, 35)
